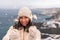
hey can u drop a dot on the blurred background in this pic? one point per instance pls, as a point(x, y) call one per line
point(47, 13)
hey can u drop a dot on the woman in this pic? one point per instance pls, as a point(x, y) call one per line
point(23, 29)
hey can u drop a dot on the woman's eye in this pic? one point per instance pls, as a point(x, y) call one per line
point(26, 17)
point(20, 17)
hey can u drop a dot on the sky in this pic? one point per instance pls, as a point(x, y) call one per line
point(15, 4)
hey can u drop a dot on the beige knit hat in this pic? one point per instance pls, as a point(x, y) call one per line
point(25, 11)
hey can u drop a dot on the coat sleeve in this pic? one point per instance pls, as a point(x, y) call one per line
point(6, 37)
point(37, 34)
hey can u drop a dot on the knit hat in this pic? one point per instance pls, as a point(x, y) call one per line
point(25, 11)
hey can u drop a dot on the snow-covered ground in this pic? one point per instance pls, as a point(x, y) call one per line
point(51, 24)
point(51, 36)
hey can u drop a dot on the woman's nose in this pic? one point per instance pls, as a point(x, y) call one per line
point(23, 19)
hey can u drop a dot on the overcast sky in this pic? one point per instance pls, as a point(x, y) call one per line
point(14, 4)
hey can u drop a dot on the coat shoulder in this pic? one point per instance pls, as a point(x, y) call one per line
point(33, 28)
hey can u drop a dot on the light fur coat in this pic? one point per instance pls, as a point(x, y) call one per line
point(14, 34)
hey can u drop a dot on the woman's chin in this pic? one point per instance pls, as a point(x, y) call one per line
point(24, 25)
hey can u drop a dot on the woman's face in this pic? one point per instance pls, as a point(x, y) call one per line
point(24, 20)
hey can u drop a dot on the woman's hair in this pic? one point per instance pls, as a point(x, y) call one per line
point(18, 25)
